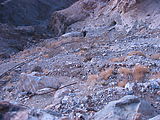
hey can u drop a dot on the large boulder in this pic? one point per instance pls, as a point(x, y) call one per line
point(79, 11)
point(32, 83)
point(127, 108)
point(37, 82)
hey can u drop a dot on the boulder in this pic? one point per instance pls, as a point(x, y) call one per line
point(79, 11)
point(32, 83)
point(129, 107)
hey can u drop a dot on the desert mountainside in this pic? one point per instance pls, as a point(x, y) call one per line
point(80, 60)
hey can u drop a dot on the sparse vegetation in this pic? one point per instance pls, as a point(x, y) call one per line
point(91, 54)
point(139, 71)
point(155, 56)
point(46, 56)
point(124, 71)
point(92, 77)
point(91, 81)
point(139, 53)
point(155, 76)
point(106, 74)
point(118, 59)
point(122, 83)
point(89, 5)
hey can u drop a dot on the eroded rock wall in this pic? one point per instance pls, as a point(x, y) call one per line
point(91, 15)
point(29, 12)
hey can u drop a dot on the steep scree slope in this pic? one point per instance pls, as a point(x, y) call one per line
point(75, 76)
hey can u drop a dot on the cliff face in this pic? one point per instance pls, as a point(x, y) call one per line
point(29, 12)
point(24, 22)
point(122, 14)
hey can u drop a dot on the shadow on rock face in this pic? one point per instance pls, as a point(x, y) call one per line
point(29, 12)
point(15, 39)
point(30, 18)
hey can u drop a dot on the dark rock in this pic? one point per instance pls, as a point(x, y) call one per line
point(4, 107)
point(18, 12)
point(37, 69)
point(14, 39)
point(4, 56)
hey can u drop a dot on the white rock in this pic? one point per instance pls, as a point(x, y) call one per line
point(61, 93)
point(66, 99)
point(129, 86)
point(72, 34)
point(43, 91)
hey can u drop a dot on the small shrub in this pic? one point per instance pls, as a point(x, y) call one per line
point(26, 52)
point(46, 71)
point(91, 81)
point(155, 76)
point(156, 56)
point(139, 72)
point(7, 78)
point(118, 59)
point(137, 116)
point(124, 71)
point(122, 83)
point(92, 77)
point(89, 5)
point(139, 53)
point(53, 44)
point(46, 56)
point(106, 74)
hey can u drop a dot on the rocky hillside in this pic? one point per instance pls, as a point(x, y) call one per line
point(103, 63)
point(23, 23)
